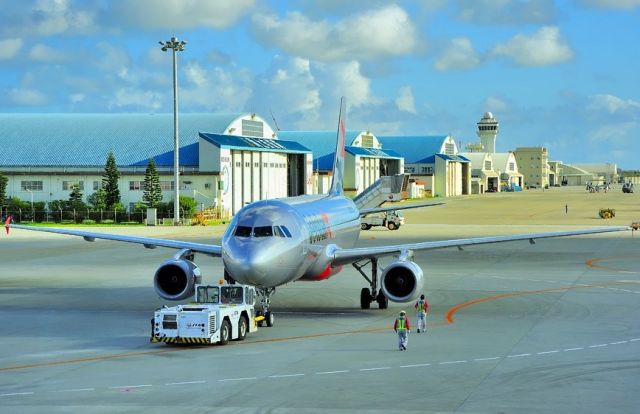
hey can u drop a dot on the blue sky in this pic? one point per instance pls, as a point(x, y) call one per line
point(563, 74)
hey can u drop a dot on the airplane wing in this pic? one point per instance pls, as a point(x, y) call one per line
point(347, 256)
point(366, 211)
point(148, 242)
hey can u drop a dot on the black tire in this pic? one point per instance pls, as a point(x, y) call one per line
point(365, 298)
point(365, 226)
point(383, 301)
point(392, 226)
point(243, 327)
point(269, 318)
point(225, 332)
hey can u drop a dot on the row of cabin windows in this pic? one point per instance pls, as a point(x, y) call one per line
point(262, 231)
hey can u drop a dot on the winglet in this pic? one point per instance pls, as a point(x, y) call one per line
point(338, 162)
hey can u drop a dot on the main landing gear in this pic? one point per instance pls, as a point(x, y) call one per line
point(265, 302)
point(368, 295)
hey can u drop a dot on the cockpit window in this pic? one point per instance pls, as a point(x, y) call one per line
point(263, 231)
point(278, 232)
point(243, 231)
point(285, 231)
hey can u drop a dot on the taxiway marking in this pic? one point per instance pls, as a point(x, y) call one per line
point(496, 359)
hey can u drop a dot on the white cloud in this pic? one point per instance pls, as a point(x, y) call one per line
point(373, 34)
point(612, 4)
point(175, 14)
point(405, 101)
point(27, 97)
point(458, 54)
point(613, 104)
point(137, 99)
point(49, 17)
point(9, 48)
point(77, 97)
point(45, 53)
point(215, 88)
point(346, 79)
point(506, 11)
point(495, 105)
point(544, 47)
point(617, 134)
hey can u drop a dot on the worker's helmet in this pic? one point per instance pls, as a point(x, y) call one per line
point(422, 296)
point(402, 313)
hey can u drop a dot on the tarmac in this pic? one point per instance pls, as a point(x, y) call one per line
point(512, 327)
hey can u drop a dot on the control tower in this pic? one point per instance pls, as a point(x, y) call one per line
point(487, 131)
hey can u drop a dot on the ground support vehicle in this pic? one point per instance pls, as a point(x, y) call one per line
point(389, 219)
point(219, 314)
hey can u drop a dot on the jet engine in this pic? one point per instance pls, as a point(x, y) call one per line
point(402, 281)
point(176, 278)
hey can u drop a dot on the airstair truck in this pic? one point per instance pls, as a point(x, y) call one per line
point(220, 313)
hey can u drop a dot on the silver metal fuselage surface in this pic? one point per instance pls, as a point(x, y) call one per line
point(315, 224)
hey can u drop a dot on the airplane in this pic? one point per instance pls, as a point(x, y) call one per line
point(270, 243)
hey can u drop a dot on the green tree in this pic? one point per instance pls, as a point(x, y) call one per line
point(98, 199)
point(75, 198)
point(75, 195)
point(3, 187)
point(110, 181)
point(152, 194)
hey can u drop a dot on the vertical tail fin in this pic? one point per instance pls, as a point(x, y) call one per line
point(338, 162)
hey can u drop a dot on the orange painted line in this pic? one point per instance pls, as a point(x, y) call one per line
point(452, 311)
point(593, 264)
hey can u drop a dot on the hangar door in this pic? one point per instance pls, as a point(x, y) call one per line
point(295, 174)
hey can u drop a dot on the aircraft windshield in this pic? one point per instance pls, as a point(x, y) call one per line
point(208, 294)
point(243, 231)
point(262, 231)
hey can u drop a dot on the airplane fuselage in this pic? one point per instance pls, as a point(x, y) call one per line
point(273, 242)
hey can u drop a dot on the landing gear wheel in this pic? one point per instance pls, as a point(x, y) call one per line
point(383, 301)
point(392, 226)
point(365, 226)
point(365, 298)
point(269, 318)
point(243, 326)
point(225, 332)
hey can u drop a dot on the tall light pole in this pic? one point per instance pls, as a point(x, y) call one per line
point(175, 46)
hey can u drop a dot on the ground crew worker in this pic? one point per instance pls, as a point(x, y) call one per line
point(422, 307)
point(7, 222)
point(402, 328)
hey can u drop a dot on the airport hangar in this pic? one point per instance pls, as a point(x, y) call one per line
point(239, 160)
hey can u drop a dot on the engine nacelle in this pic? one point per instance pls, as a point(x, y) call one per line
point(402, 281)
point(175, 279)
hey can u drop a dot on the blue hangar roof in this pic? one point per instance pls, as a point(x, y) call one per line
point(253, 144)
point(83, 140)
point(413, 147)
point(323, 146)
point(432, 159)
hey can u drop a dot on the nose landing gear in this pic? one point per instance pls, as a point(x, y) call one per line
point(265, 302)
